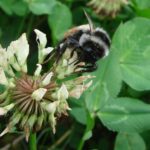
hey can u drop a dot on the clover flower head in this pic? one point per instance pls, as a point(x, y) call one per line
point(107, 8)
point(37, 99)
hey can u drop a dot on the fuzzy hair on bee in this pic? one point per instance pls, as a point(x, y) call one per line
point(90, 44)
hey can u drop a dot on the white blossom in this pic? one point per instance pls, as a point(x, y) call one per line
point(77, 91)
point(47, 79)
point(38, 70)
point(41, 37)
point(6, 130)
point(2, 111)
point(46, 51)
point(3, 79)
point(42, 41)
point(20, 49)
point(63, 93)
point(37, 97)
point(51, 107)
point(38, 94)
point(3, 57)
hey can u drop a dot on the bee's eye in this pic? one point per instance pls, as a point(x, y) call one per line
point(96, 46)
point(88, 49)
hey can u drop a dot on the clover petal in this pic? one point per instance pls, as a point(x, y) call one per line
point(38, 94)
point(63, 93)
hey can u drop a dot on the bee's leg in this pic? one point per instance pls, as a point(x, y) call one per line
point(75, 44)
point(71, 43)
point(91, 68)
point(88, 68)
point(77, 61)
point(60, 50)
point(49, 57)
point(72, 53)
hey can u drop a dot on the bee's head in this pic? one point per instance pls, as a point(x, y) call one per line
point(95, 43)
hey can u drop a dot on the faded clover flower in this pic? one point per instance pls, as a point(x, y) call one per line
point(38, 99)
point(107, 8)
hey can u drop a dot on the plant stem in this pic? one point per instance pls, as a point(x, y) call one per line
point(32, 141)
point(61, 139)
point(21, 26)
point(30, 25)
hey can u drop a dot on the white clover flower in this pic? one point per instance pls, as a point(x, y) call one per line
point(47, 79)
point(21, 48)
point(52, 121)
point(3, 79)
point(6, 130)
point(40, 97)
point(51, 108)
point(77, 91)
point(63, 93)
point(38, 70)
point(2, 111)
point(62, 96)
point(66, 65)
point(42, 41)
point(107, 8)
point(38, 94)
point(41, 37)
point(18, 52)
point(3, 58)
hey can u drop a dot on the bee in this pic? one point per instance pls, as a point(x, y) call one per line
point(90, 44)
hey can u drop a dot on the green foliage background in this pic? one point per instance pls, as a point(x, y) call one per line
point(114, 114)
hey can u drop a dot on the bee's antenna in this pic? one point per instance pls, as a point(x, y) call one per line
point(89, 21)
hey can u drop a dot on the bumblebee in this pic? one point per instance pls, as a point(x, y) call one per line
point(90, 44)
